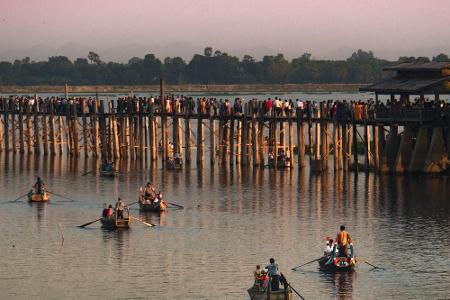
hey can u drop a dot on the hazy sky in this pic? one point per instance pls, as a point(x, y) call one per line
point(317, 26)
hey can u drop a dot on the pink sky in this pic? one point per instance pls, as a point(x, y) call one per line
point(316, 26)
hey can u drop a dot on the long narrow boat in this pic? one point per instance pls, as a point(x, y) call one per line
point(114, 223)
point(257, 294)
point(335, 263)
point(38, 197)
point(155, 206)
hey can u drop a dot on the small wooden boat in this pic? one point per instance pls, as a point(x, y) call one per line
point(256, 293)
point(336, 263)
point(108, 170)
point(38, 197)
point(155, 206)
point(175, 163)
point(283, 162)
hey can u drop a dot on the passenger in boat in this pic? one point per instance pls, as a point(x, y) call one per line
point(149, 192)
point(328, 248)
point(110, 211)
point(274, 274)
point(105, 210)
point(257, 274)
point(343, 240)
point(263, 280)
point(39, 186)
point(120, 207)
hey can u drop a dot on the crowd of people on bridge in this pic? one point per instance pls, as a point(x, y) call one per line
point(338, 110)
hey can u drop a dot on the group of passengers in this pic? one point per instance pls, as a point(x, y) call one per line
point(120, 207)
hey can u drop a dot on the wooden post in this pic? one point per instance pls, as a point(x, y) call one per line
point(175, 129)
point(140, 129)
point(291, 140)
point(74, 122)
point(232, 138)
point(261, 136)
point(6, 124)
point(68, 131)
point(368, 160)
point(152, 134)
point(95, 132)
point(13, 129)
point(355, 148)
point(199, 136)
point(317, 138)
point(225, 136)
point(21, 132)
point(52, 129)
point(187, 134)
point(244, 137)
point(239, 141)
point(275, 132)
point(254, 135)
point(85, 130)
point(376, 159)
point(103, 133)
point(164, 132)
point(37, 143)
point(45, 133)
point(29, 125)
point(301, 139)
point(212, 136)
point(345, 158)
point(60, 134)
point(349, 145)
point(340, 143)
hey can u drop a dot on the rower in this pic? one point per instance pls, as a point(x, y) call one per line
point(39, 186)
point(149, 191)
point(274, 274)
point(343, 240)
point(105, 210)
point(120, 206)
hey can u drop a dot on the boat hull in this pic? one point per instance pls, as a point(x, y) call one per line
point(159, 206)
point(37, 197)
point(113, 223)
point(338, 264)
point(256, 294)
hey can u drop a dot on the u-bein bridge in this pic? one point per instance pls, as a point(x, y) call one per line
point(396, 138)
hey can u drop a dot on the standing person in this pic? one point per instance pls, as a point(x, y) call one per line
point(120, 206)
point(343, 240)
point(39, 185)
point(274, 274)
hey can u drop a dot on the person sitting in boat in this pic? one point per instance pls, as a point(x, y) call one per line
point(328, 248)
point(257, 274)
point(343, 241)
point(110, 212)
point(274, 274)
point(120, 207)
point(264, 280)
point(149, 192)
point(105, 210)
point(39, 186)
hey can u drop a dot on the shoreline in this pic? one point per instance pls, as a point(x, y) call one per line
point(185, 88)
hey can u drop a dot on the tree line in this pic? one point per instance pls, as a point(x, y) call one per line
point(211, 67)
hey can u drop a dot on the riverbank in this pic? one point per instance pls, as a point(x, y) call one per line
point(183, 88)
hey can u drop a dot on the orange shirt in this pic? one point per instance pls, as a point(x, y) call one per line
point(343, 238)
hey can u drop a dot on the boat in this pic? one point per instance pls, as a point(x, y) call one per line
point(175, 163)
point(336, 263)
point(282, 162)
point(114, 223)
point(256, 293)
point(38, 197)
point(156, 205)
point(108, 170)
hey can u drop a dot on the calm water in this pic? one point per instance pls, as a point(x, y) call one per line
point(233, 220)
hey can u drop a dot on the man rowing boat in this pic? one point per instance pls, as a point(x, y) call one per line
point(149, 192)
point(39, 186)
point(343, 240)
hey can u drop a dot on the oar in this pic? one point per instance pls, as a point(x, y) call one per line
point(375, 267)
point(176, 205)
point(132, 203)
point(143, 222)
point(295, 268)
point(18, 198)
point(84, 225)
point(85, 173)
point(284, 280)
point(64, 197)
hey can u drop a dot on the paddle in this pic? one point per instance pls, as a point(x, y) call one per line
point(64, 197)
point(176, 205)
point(143, 222)
point(18, 198)
point(295, 268)
point(132, 203)
point(284, 281)
point(84, 225)
point(375, 267)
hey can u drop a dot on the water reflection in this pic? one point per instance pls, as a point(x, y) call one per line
point(339, 285)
